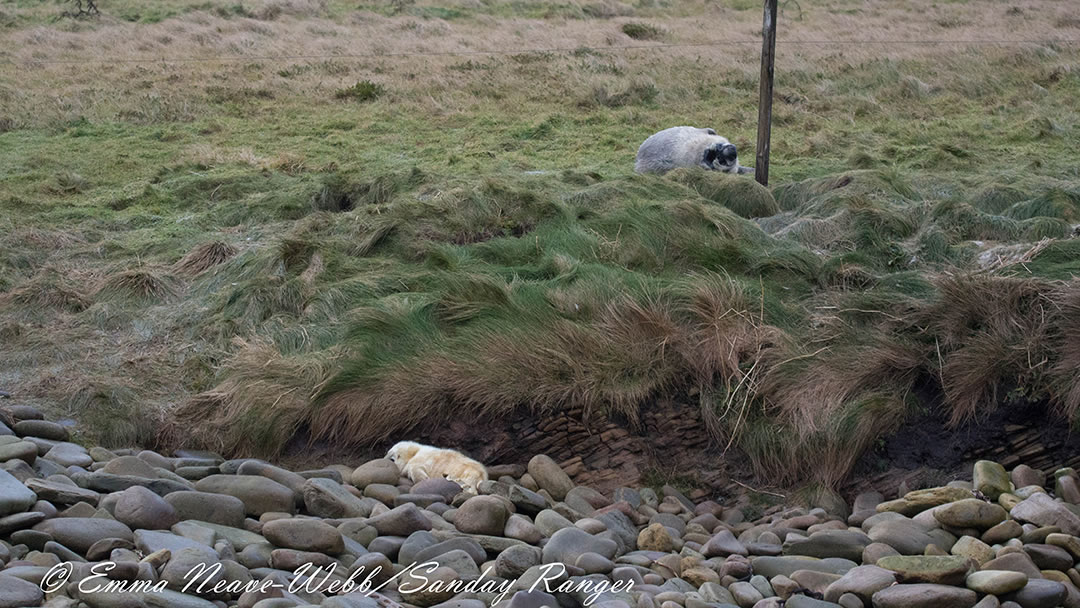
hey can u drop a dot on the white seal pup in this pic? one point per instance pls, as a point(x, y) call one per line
point(688, 147)
point(419, 462)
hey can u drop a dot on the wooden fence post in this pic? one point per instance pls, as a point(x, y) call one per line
point(764, 124)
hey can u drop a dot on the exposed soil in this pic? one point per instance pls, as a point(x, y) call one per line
point(671, 443)
point(927, 450)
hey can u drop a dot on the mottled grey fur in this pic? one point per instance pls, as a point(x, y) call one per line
point(687, 147)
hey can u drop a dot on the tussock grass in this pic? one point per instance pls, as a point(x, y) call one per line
point(69, 182)
point(48, 291)
point(204, 257)
point(112, 412)
point(643, 31)
point(262, 403)
point(745, 197)
point(141, 283)
point(365, 90)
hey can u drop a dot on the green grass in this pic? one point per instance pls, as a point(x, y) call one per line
point(354, 246)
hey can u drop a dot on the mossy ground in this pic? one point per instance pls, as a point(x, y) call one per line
point(231, 249)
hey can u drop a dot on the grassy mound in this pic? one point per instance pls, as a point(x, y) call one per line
point(744, 196)
point(204, 257)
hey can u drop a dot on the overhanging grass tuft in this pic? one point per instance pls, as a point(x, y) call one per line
point(262, 402)
point(48, 290)
point(112, 413)
point(743, 195)
point(143, 284)
point(204, 257)
point(1054, 203)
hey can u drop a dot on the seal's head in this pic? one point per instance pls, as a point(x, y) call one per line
point(721, 156)
point(402, 452)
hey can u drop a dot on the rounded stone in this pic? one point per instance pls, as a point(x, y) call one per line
point(521, 528)
point(437, 485)
point(745, 594)
point(177, 571)
point(138, 507)
point(568, 544)
point(592, 563)
point(1039, 593)
point(400, 521)
point(304, 535)
point(328, 498)
point(848, 544)
point(27, 451)
point(291, 559)
point(259, 494)
point(655, 537)
point(863, 581)
point(380, 470)
point(550, 476)
point(207, 506)
point(996, 582)
point(42, 429)
point(17, 593)
point(924, 596)
point(991, 479)
point(130, 465)
point(904, 535)
point(936, 569)
point(970, 513)
point(14, 496)
point(293, 481)
point(69, 454)
point(513, 561)
point(80, 533)
point(723, 544)
point(1002, 532)
point(426, 588)
point(1049, 557)
point(969, 546)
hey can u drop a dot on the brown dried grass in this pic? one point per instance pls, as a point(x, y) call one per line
point(204, 257)
point(262, 403)
point(178, 90)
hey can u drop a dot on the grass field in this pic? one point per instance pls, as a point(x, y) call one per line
point(225, 221)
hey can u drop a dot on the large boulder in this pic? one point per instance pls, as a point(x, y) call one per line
point(14, 496)
point(328, 498)
point(138, 507)
point(380, 470)
point(991, 479)
point(304, 535)
point(207, 506)
point(259, 494)
point(400, 521)
point(17, 593)
point(924, 596)
point(934, 569)
point(917, 501)
point(482, 515)
point(79, 533)
point(550, 476)
point(863, 582)
point(1042, 510)
point(970, 513)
